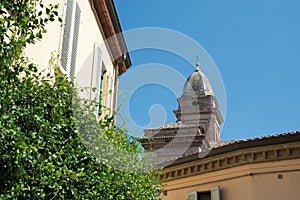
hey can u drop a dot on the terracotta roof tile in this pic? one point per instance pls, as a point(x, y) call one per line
point(253, 142)
point(173, 125)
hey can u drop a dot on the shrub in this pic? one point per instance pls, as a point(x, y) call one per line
point(45, 150)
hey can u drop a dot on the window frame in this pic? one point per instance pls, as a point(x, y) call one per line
point(97, 74)
point(214, 194)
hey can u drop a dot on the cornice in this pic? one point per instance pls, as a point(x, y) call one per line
point(236, 158)
point(110, 25)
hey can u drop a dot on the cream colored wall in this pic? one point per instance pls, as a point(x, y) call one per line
point(89, 34)
point(237, 184)
point(40, 53)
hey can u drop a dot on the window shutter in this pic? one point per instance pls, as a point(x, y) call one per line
point(97, 71)
point(193, 195)
point(69, 43)
point(215, 193)
point(66, 38)
point(105, 89)
point(110, 92)
point(75, 41)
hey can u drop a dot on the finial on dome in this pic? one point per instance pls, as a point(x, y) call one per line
point(197, 65)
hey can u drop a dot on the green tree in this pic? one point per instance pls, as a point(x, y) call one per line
point(51, 147)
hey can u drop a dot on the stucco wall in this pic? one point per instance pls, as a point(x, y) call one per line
point(90, 33)
point(271, 180)
point(40, 53)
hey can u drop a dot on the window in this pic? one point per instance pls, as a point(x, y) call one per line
point(109, 92)
point(105, 91)
point(70, 38)
point(97, 76)
point(199, 195)
point(213, 194)
point(100, 93)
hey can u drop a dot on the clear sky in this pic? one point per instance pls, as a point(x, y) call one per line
point(254, 43)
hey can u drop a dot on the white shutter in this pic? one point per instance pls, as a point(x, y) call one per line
point(215, 193)
point(96, 76)
point(70, 36)
point(193, 195)
point(75, 41)
point(66, 36)
point(110, 92)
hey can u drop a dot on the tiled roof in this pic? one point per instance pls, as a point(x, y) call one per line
point(232, 145)
point(257, 139)
point(174, 125)
point(158, 136)
point(225, 143)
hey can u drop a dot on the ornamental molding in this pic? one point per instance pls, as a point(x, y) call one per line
point(235, 158)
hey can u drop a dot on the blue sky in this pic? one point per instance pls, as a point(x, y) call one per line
point(255, 45)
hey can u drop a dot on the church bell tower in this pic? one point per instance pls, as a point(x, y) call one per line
point(197, 128)
point(199, 106)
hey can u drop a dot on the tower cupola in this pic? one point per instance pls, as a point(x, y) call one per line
point(197, 84)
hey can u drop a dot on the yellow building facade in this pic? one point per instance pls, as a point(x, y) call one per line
point(266, 168)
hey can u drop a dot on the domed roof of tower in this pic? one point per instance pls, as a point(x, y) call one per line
point(197, 84)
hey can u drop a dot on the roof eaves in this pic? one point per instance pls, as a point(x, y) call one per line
point(233, 145)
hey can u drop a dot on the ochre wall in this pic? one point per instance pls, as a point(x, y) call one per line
point(247, 182)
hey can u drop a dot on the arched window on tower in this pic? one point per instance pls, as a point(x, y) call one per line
point(200, 131)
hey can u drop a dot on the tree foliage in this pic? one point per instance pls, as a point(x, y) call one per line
point(45, 151)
